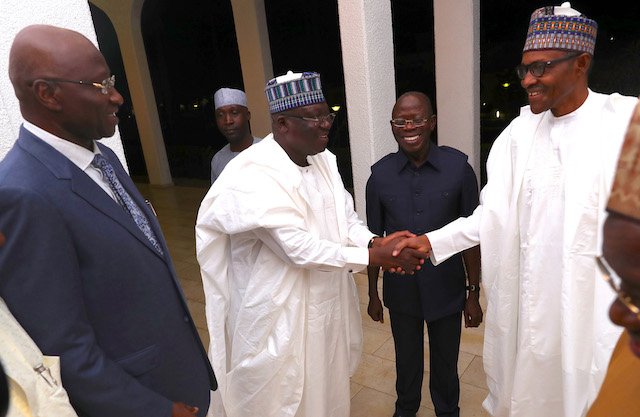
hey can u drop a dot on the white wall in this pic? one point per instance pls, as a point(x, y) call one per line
point(16, 14)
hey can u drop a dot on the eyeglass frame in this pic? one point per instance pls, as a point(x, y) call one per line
point(609, 274)
point(331, 117)
point(529, 68)
point(415, 122)
point(105, 86)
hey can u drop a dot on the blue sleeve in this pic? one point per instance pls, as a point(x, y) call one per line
point(469, 200)
point(41, 283)
point(375, 211)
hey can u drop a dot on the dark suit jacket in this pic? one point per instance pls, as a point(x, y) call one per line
point(87, 286)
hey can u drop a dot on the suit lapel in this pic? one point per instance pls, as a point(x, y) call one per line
point(84, 187)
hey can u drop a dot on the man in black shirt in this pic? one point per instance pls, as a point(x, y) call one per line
point(420, 188)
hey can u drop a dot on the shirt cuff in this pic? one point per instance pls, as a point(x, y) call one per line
point(357, 258)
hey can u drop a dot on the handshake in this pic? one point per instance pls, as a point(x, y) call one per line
point(400, 252)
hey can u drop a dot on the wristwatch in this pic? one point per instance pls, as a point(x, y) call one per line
point(473, 287)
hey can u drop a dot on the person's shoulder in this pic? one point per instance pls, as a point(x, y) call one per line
point(617, 102)
point(224, 150)
point(385, 162)
point(453, 153)
point(23, 200)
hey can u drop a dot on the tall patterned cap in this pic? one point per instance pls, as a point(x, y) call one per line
point(561, 27)
point(228, 97)
point(625, 194)
point(294, 90)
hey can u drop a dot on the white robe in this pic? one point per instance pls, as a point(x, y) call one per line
point(547, 337)
point(35, 386)
point(281, 305)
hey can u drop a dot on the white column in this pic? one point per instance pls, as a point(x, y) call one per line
point(125, 17)
point(15, 15)
point(457, 51)
point(369, 75)
point(255, 58)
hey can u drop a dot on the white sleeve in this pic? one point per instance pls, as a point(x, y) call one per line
point(297, 246)
point(461, 234)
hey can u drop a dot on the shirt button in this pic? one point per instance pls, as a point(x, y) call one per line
point(186, 319)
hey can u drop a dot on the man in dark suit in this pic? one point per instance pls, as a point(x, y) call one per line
point(85, 269)
point(421, 188)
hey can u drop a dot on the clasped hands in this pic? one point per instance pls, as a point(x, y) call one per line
point(400, 252)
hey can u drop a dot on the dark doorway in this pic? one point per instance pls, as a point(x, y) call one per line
point(192, 51)
point(110, 48)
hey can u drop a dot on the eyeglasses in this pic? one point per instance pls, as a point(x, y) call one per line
point(105, 86)
point(538, 68)
point(415, 122)
point(611, 277)
point(316, 119)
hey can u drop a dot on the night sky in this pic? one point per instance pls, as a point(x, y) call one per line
point(192, 51)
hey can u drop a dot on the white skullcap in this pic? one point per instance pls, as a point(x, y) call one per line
point(229, 97)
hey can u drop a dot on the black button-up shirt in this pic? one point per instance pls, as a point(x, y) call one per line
point(402, 197)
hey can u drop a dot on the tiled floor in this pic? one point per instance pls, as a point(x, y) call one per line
point(373, 385)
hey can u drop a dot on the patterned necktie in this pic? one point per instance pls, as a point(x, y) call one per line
point(126, 201)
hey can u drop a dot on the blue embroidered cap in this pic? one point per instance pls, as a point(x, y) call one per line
point(293, 90)
point(561, 27)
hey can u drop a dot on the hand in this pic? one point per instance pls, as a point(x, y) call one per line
point(472, 311)
point(375, 309)
point(409, 260)
point(183, 410)
point(420, 243)
point(381, 241)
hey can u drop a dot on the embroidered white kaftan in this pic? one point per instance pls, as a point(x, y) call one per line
point(547, 337)
point(276, 243)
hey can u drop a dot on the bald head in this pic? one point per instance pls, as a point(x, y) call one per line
point(420, 99)
point(42, 51)
point(57, 75)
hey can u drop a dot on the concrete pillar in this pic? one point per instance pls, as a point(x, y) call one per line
point(15, 15)
point(125, 17)
point(255, 58)
point(369, 76)
point(457, 51)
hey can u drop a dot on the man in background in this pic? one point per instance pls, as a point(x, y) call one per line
point(232, 117)
point(420, 188)
point(85, 269)
point(547, 341)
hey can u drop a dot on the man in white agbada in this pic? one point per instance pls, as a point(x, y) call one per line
point(547, 340)
point(277, 239)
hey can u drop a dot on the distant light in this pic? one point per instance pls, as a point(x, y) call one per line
point(484, 104)
point(196, 105)
point(612, 38)
point(497, 114)
point(506, 85)
point(336, 107)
